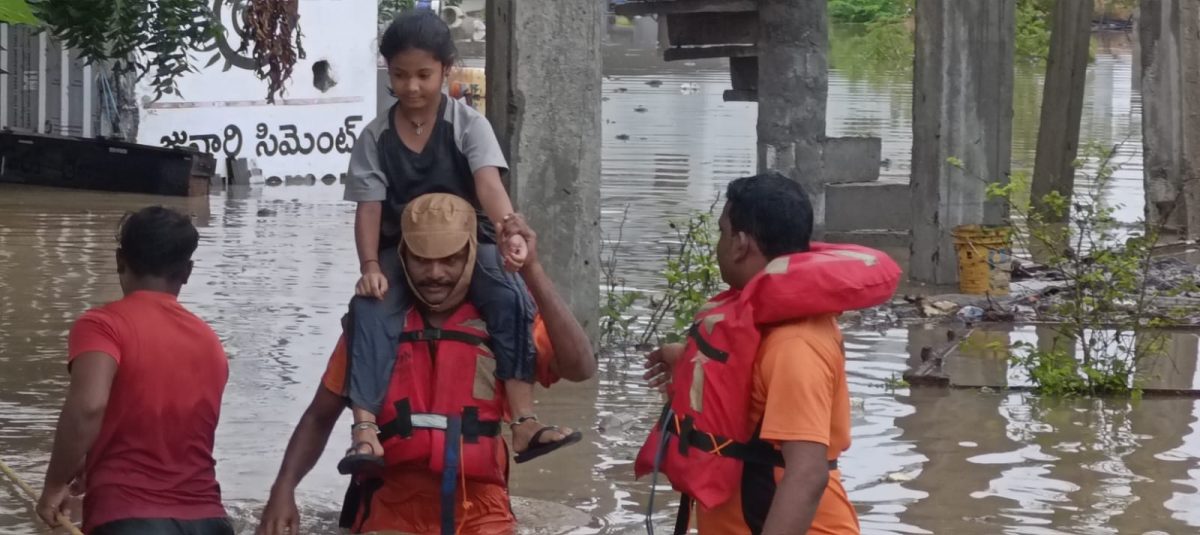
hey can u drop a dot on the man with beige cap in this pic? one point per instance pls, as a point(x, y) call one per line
point(446, 461)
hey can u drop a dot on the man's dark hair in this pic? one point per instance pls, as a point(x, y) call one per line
point(419, 29)
point(158, 242)
point(772, 209)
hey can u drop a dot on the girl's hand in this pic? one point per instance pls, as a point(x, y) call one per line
point(373, 282)
point(515, 252)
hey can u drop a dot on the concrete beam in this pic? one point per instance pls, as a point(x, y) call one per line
point(703, 52)
point(543, 66)
point(702, 29)
point(743, 73)
point(851, 159)
point(634, 9)
point(867, 206)
point(962, 108)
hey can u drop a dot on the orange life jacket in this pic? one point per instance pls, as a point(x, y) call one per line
point(705, 434)
point(442, 376)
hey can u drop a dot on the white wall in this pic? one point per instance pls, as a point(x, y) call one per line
point(223, 107)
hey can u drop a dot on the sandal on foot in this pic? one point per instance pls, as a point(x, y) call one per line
point(358, 463)
point(537, 448)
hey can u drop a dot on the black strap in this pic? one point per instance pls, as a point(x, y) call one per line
point(434, 334)
point(472, 426)
point(684, 517)
point(706, 348)
point(755, 451)
point(359, 496)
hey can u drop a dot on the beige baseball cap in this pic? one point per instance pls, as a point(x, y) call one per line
point(438, 225)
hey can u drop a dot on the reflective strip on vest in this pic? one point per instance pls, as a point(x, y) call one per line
point(429, 421)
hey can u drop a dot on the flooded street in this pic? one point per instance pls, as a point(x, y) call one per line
point(276, 265)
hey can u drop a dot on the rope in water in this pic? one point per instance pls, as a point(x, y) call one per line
point(62, 520)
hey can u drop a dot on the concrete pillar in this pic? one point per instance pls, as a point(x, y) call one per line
point(1189, 60)
point(1170, 51)
point(1062, 103)
point(543, 78)
point(793, 82)
point(962, 108)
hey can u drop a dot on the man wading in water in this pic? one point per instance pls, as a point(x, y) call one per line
point(147, 378)
point(446, 461)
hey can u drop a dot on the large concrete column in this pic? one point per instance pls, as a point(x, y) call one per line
point(1189, 60)
point(1062, 104)
point(1169, 37)
point(543, 78)
point(962, 108)
point(793, 82)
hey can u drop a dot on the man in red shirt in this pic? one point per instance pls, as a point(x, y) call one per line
point(141, 411)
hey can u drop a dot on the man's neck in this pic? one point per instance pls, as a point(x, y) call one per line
point(154, 284)
point(437, 319)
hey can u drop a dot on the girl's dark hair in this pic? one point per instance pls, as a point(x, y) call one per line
point(158, 242)
point(420, 29)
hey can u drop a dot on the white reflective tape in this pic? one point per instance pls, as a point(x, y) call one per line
point(429, 421)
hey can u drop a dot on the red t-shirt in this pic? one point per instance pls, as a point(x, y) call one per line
point(153, 456)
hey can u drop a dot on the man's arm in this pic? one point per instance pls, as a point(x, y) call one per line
point(799, 492)
point(573, 351)
point(308, 441)
point(78, 425)
point(82, 414)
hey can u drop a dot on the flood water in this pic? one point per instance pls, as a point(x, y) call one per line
point(276, 265)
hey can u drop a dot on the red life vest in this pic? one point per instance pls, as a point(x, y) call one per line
point(705, 434)
point(440, 375)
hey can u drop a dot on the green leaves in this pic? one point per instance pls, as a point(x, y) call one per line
point(17, 12)
point(155, 38)
point(142, 37)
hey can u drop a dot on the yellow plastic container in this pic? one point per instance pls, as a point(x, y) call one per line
point(470, 85)
point(984, 259)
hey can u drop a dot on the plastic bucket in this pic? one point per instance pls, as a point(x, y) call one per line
point(984, 259)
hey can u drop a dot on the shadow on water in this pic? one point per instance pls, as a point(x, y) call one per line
point(275, 267)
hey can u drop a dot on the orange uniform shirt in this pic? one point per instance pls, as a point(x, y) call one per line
point(409, 501)
point(799, 393)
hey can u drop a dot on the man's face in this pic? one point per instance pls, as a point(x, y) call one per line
point(725, 253)
point(435, 278)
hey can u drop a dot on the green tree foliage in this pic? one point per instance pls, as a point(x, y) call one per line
point(16, 12)
point(863, 11)
point(156, 37)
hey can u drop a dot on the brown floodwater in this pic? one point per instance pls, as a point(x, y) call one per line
point(276, 265)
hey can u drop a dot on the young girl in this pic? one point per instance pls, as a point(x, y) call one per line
point(426, 143)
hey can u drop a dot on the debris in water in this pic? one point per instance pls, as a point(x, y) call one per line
point(901, 477)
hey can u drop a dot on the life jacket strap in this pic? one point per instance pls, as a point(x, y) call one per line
point(406, 421)
point(433, 334)
point(756, 451)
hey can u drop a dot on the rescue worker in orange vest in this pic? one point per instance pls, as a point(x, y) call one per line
point(447, 464)
point(759, 409)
